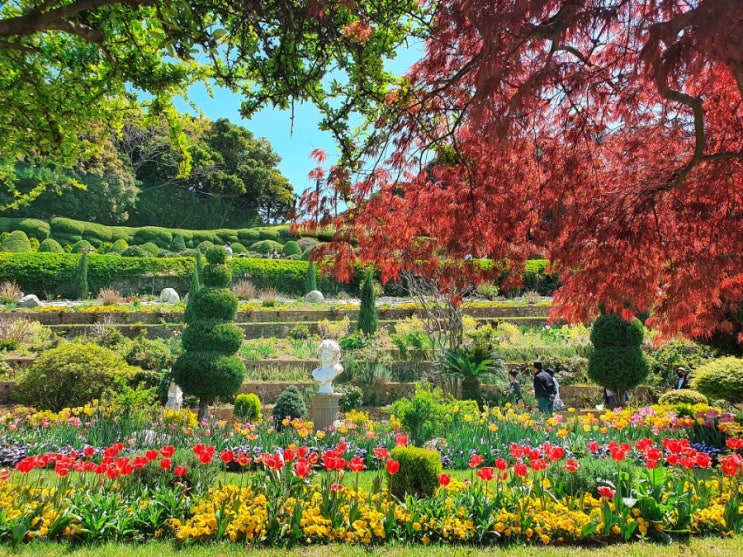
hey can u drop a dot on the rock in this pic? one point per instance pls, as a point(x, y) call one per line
point(314, 297)
point(29, 301)
point(169, 296)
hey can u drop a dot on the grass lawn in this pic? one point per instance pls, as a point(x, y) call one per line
point(705, 547)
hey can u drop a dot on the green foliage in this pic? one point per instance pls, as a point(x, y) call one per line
point(208, 375)
point(289, 404)
point(83, 246)
point(248, 236)
point(351, 397)
point(71, 375)
point(611, 330)
point(119, 246)
point(216, 275)
point(50, 245)
point(291, 248)
point(80, 283)
point(148, 354)
point(137, 251)
point(61, 225)
point(205, 246)
point(151, 248)
point(419, 472)
point(211, 303)
point(310, 281)
point(720, 379)
point(209, 335)
point(592, 474)
point(248, 407)
point(16, 242)
point(269, 234)
point(264, 246)
point(423, 415)
point(162, 237)
point(683, 396)
point(216, 255)
point(198, 269)
point(469, 364)
point(178, 244)
point(617, 361)
point(33, 228)
point(368, 311)
point(669, 355)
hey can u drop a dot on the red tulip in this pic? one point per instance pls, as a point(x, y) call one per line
point(393, 467)
point(444, 479)
point(381, 453)
point(607, 492)
point(520, 469)
point(475, 460)
point(734, 444)
point(165, 464)
point(243, 459)
point(729, 464)
point(167, 451)
point(88, 452)
point(151, 454)
point(26, 465)
point(179, 471)
point(555, 453)
point(356, 464)
point(572, 465)
point(501, 464)
point(485, 473)
point(651, 464)
point(401, 440)
point(703, 460)
point(538, 464)
point(289, 455)
point(593, 446)
point(302, 468)
point(227, 456)
point(205, 457)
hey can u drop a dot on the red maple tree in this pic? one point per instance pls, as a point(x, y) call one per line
point(606, 135)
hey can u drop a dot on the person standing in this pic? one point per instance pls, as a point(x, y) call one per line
point(544, 389)
point(683, 378)
point(557, 404)
point(515, 387)
point(228, 247)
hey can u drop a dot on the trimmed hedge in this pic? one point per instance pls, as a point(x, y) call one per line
point(16, 242)
point(721, 378)
point(50, 245)
point(33, 228)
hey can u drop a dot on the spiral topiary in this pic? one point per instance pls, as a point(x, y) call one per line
point(208, 367)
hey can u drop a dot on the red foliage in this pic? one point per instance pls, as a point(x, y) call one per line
point(607, 136)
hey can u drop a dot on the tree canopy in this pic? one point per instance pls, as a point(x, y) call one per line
point(607, 135)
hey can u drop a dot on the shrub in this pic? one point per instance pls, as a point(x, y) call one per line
point(50, 245)
point(593, 473)
point(23, 334)
point(289, 404)
point(204, 246)
point(683, 396)
point(269, 233)
point(306, 243)
point(97, 232)
point(248, 235)
point(239, 249)
point(720, 379)
point(617, 361)
point(119, 246)
point(423, 415)
point(351, 397)
point(488, 290)
point(61, 225)
point(109, 296)
point(70, 375)
point(82, 246)
point(136, 251)
point(248, 407)
point(211, 303)
point(266, 246)
point(216, 275)
point(268, 296)
point(160, 236)
point(208, 375)
point(291, 248)
point(310, 281)
point(419, 472)
point(178, 244)
point(10, 292)
point(218, 336)
point(16, 242)
point(152, 355)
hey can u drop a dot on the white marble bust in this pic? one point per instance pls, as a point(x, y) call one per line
point(329, 353)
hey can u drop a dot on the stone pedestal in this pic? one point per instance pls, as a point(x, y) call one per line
point(324, 409)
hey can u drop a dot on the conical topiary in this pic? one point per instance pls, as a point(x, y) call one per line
point(368, 311)
point(208, 367)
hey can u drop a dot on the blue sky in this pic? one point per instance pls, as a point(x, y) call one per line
point(293, 144)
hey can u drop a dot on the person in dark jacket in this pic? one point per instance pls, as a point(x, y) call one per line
point(683, 378)
point(544, 389)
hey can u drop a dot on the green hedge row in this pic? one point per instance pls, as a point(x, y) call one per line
point(69, 231)
point(49, 275)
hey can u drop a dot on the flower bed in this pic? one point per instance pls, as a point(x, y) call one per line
point(507, 477)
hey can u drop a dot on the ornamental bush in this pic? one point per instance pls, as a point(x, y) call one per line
point(683, 396)
point(291, 248)
point(208, 335)
point(248, 407)
point(266, 246)
point(50, 245)
point(419, 472)
point(368, 311)
point(289, 404)
point(720, 379)
point(152, 355)
point(70, 375)
point(82, 246)
point(617, 361)
point(16, 242)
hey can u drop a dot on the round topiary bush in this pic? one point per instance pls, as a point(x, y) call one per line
point(218, 275)
point(152, 248)
point(289, 404)
point(266, 246)
point(720, 379)
point(208, 375)
point(248, 407)
point(683, 396)
point(291, 248)
point(50, 245)
point(611, 330)
point(16, 242)
point(205, 335)
point(178, 244)
point(419, 472)
point(81, 246)
point(211, 303)
point(70, 375)
point(119, 246)
point(135, 251)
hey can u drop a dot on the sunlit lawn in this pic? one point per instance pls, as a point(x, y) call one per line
point(704, 547)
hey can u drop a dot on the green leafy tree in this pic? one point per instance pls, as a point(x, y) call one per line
point(469, 364)
point(310, 280)
point(80, 282)
point(368, 311)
